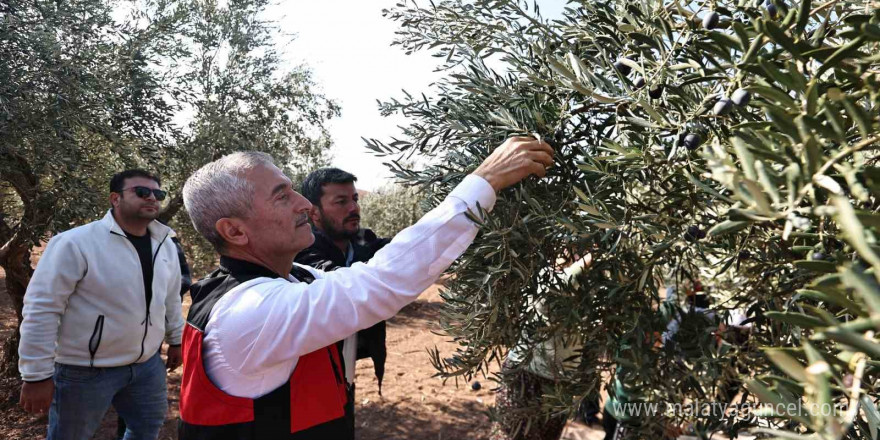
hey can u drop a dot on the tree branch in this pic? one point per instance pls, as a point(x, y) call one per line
point(21, 176)
point(850, 150)
point(12, 242)
point(6, 232)
point(172, 209)
point(24, 181)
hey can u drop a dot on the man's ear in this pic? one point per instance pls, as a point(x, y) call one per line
point(114, 198)
point(232, 231)
point(315, 215)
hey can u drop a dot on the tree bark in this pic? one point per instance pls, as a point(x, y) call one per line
point(17, 244)
point(172, 209)
point(17, 266)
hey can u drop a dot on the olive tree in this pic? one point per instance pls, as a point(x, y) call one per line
point(90, 87)
point(78, 99)
point(390, 209)
point(730, 144)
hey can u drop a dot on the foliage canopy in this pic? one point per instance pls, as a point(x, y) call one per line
point(738, 151)
point(90, 87)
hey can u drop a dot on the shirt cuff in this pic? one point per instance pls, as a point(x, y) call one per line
point(36, 380)
point(174, 339)
point(475, 190)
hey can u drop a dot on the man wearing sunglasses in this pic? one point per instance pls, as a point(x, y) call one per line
point(102, 300)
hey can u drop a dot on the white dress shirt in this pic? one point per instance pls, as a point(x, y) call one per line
point(257, 331)
point(349, 344)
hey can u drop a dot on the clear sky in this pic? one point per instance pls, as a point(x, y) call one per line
point(347, 43)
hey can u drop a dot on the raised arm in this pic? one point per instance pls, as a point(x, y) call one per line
point(276, 322)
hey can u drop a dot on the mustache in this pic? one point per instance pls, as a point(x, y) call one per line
point(352, 217)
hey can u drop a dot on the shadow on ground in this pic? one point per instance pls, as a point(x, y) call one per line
point(405, 420)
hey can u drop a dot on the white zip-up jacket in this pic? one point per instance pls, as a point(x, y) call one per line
point(86, 305)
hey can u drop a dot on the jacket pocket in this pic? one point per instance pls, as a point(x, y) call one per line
point(95, 340)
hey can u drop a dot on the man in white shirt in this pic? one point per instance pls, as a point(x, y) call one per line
point(260, 359)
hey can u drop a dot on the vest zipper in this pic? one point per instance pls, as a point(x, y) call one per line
point(95, 340)
point(333, 365)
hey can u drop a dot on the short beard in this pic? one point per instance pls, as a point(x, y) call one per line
point(137, 214)
point(336, 234)
point(153, 216)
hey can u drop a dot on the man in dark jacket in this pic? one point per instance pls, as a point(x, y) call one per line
point(340, 242)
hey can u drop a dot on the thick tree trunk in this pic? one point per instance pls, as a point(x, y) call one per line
point(17, 266)
point(172, 209)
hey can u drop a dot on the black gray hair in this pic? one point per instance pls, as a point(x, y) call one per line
point(313, 185)
point(220, 190)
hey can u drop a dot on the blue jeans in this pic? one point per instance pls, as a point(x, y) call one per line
point(83, 395)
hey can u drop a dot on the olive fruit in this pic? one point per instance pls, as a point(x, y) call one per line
point(723, 106)
point(476, 386)
point(741, 97)
point(692, 141)
point(819, 256)
point(656, 92)
point(710, 20)
point(771, 9)
point(694, 233)
point(639, 83)
point(622, 67)
point(744, 255)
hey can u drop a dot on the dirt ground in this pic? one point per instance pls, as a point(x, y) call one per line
point(414, 404)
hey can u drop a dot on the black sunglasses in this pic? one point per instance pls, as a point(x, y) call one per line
point(144, 192)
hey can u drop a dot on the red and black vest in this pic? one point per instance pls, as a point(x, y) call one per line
point(312, 404)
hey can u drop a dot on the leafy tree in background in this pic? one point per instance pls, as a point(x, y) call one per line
point(77, 99)
point(242, 96)
point(84, 95)
point(390, 209)
point(731, 143)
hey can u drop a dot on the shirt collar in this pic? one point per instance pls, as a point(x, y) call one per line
point(156, 230)
point(241, 267)
point(321, 236)
point(349, 256)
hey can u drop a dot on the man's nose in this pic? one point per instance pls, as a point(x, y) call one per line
point(303, 204)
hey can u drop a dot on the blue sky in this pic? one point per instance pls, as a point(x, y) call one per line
point(347, 43)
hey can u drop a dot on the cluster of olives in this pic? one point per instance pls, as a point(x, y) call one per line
point(691, 140)
point(723, 106)
point(621, 66)
point(711, 20)
point(694, 233)
point(741, 98)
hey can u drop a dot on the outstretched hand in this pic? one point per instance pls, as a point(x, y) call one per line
point(514, 160)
